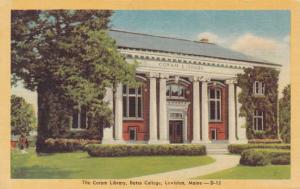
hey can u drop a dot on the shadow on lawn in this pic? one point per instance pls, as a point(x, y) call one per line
point(39, 172)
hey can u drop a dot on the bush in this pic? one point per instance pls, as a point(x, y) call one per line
point(105, 150)
point(265, 141)
point(239, 148)
point(66, 145)
point(261, 157)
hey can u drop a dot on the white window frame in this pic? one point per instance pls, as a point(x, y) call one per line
point(135, 133)
point(216, 104)
point(137, 96)
point(258, 88)
point(256, 117)
point(79, 122)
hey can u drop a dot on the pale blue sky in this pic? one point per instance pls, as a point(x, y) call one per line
point(187, 24)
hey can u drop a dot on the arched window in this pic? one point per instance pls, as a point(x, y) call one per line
point(215, 104)
point(132, 102)
point(175, 91)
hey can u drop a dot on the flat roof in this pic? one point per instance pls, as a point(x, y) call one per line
point(174, 45)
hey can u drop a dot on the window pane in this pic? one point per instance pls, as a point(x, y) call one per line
point(178, 130)
point(257, 87)
point(75, 120)
point(124, 106)
point(218, 94)
point(180, 91)
point(218, 116)
point(259, 122)
point(131, 90)
point(212, 110)
point(132, 107)
point(212, 93)
point(132, 134)
point(139, 107)
point(139, 90)
point(174, 90)
point(168, 90)
point(83, 118)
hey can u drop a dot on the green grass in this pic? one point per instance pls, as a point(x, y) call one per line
point(249, 172)
point(81, 165)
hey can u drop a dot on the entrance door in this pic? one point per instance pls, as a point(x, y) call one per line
point(175, 131)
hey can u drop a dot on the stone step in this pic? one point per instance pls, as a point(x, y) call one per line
point(217, 151)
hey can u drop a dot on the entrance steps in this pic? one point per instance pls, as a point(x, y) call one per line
point(217, 148)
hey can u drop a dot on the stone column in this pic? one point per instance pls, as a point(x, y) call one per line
point(185, 138)
point(163, 129)
point(204, 105)
point(231, 111)
point(153, 109)
point(196, 111)
point(108, 131)
point(119, 114)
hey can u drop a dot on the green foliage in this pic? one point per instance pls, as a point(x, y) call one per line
point(265, 141)
point(261, 157)
point(266, 103)
point(66, 145)
point(285, 115)
point(23, 119)
point(239, 148)
point(101, 150)
point(69, 59)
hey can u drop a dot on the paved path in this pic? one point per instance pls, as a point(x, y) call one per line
point(222, 162)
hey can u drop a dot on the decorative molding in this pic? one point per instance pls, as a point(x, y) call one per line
point(164, 76)
point(231, 81)
point(152, 75)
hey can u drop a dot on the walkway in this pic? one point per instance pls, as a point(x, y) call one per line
point(222, 162)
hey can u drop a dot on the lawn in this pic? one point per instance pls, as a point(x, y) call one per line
point(81, 165)
point(249, 172)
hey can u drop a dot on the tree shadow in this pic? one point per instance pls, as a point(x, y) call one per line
point(40, 172)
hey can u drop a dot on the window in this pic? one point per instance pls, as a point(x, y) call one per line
point(214, 104)
point(132, 102)
point(258, 120)
point(258, 88)
point(132, 133)
point(175, 91)
point(80, 119)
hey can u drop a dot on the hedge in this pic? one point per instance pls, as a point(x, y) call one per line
point(239, 148)
point(66, 145)
point(261, 157)
point(106, 150)
point(265, 141)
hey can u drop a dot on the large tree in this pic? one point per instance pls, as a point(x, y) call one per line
point(23, 118)
point(69, 59)
point(285, 114)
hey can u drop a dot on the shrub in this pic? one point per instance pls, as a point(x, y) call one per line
point(265, 141)
point(239, 148)
point(66, 145)
point(105, 150)
point(261, 157)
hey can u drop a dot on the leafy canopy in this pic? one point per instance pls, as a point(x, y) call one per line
point(23, 119)
point(285, 114)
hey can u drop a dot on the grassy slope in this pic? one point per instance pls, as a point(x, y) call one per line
point(248, 172)
point(80, 165)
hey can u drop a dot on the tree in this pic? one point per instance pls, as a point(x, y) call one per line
point(266, 103)
point(23, 118)
point(69, 59)
point(285, 114)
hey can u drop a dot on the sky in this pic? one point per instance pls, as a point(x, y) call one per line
point(262, 34)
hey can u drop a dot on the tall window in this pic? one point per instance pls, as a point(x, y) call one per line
point(258, 88)
point(80, 120)
point(132, 102)
point(258, 120)
point(175, 91)
point(215, 104)
point(132, 133)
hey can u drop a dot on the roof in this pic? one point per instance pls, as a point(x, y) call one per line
point(175, 45)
